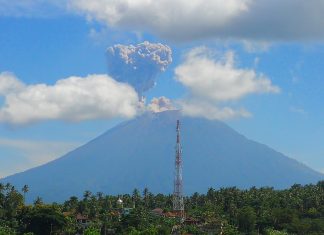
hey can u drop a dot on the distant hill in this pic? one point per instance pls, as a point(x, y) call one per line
point(140, 153)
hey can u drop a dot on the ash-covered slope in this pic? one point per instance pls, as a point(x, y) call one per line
point(140, 153)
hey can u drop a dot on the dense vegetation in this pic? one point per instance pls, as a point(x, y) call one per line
point(298, 210)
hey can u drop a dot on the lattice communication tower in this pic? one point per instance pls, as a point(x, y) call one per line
point(178, 202)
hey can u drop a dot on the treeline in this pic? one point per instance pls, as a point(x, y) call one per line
point(230, 211)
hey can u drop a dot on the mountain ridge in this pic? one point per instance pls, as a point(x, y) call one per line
point(139, 153)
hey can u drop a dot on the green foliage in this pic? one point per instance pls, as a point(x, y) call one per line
point(92, 231)
point(191, 229)
point(5, 230)
point(246, 219)
point(230, 230)
point(43, 220)
point(10, 202)
point(298, 210)
point(275, 232)
point(71, 226)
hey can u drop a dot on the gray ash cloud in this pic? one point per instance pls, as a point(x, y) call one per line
point(138, 65)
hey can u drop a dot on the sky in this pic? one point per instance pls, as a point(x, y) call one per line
point(72, 69)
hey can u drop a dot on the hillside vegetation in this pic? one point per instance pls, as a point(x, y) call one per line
point(297, 210)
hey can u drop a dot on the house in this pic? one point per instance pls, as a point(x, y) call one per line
point(82, 219)
point(157, 212)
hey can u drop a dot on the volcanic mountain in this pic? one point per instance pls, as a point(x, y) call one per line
point(140, 153)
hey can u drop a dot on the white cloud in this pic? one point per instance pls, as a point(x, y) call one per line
point(160, 104)
point(255, 46)
point(163, 17)
point(256, 20)
point(201, 108)
point(182, 20)
point(73, 99)
point(220, 80)
point(30, 154)
point(213, 83)
point(9, 83)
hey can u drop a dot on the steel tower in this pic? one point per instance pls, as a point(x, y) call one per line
point(178, 203)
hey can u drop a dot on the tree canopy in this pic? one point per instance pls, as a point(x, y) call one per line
point(230, 211)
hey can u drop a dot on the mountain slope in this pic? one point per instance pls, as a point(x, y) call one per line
point(140, 153)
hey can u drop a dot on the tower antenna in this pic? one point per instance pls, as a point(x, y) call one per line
point(178, 202)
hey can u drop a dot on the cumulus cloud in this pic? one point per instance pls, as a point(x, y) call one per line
point(231, 19)
point(73, 99)
point(256, 46)
point(160, 104)
point(138, 65)
point(9, 83)
point(181, 20)
point(201, 108)
point(213, 83)
point(220, 80)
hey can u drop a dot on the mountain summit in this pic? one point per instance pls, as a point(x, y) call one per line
point(140, 153)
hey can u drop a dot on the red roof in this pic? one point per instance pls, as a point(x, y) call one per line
point(158, 211)
point(170, 214)
point(81, 217)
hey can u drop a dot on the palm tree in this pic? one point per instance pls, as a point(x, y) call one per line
point(8, 186)
point(71, 204)
point(86, 195)
point(38, 201)
point(25, 190)
point(100, 195)
point(145, 195)
point(2, 196)
point(136, 197)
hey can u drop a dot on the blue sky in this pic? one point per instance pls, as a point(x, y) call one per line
point(42, 47)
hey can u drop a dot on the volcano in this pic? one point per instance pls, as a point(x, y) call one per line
point(140, 153)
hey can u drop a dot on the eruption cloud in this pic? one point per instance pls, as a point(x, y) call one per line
point(160, 104)
point(138, 65)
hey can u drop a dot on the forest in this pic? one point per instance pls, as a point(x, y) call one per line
point(226, 211)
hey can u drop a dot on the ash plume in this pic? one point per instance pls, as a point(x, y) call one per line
point(160, 104)
point(138, 65)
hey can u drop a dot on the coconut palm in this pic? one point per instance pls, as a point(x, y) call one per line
point(25, 190)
